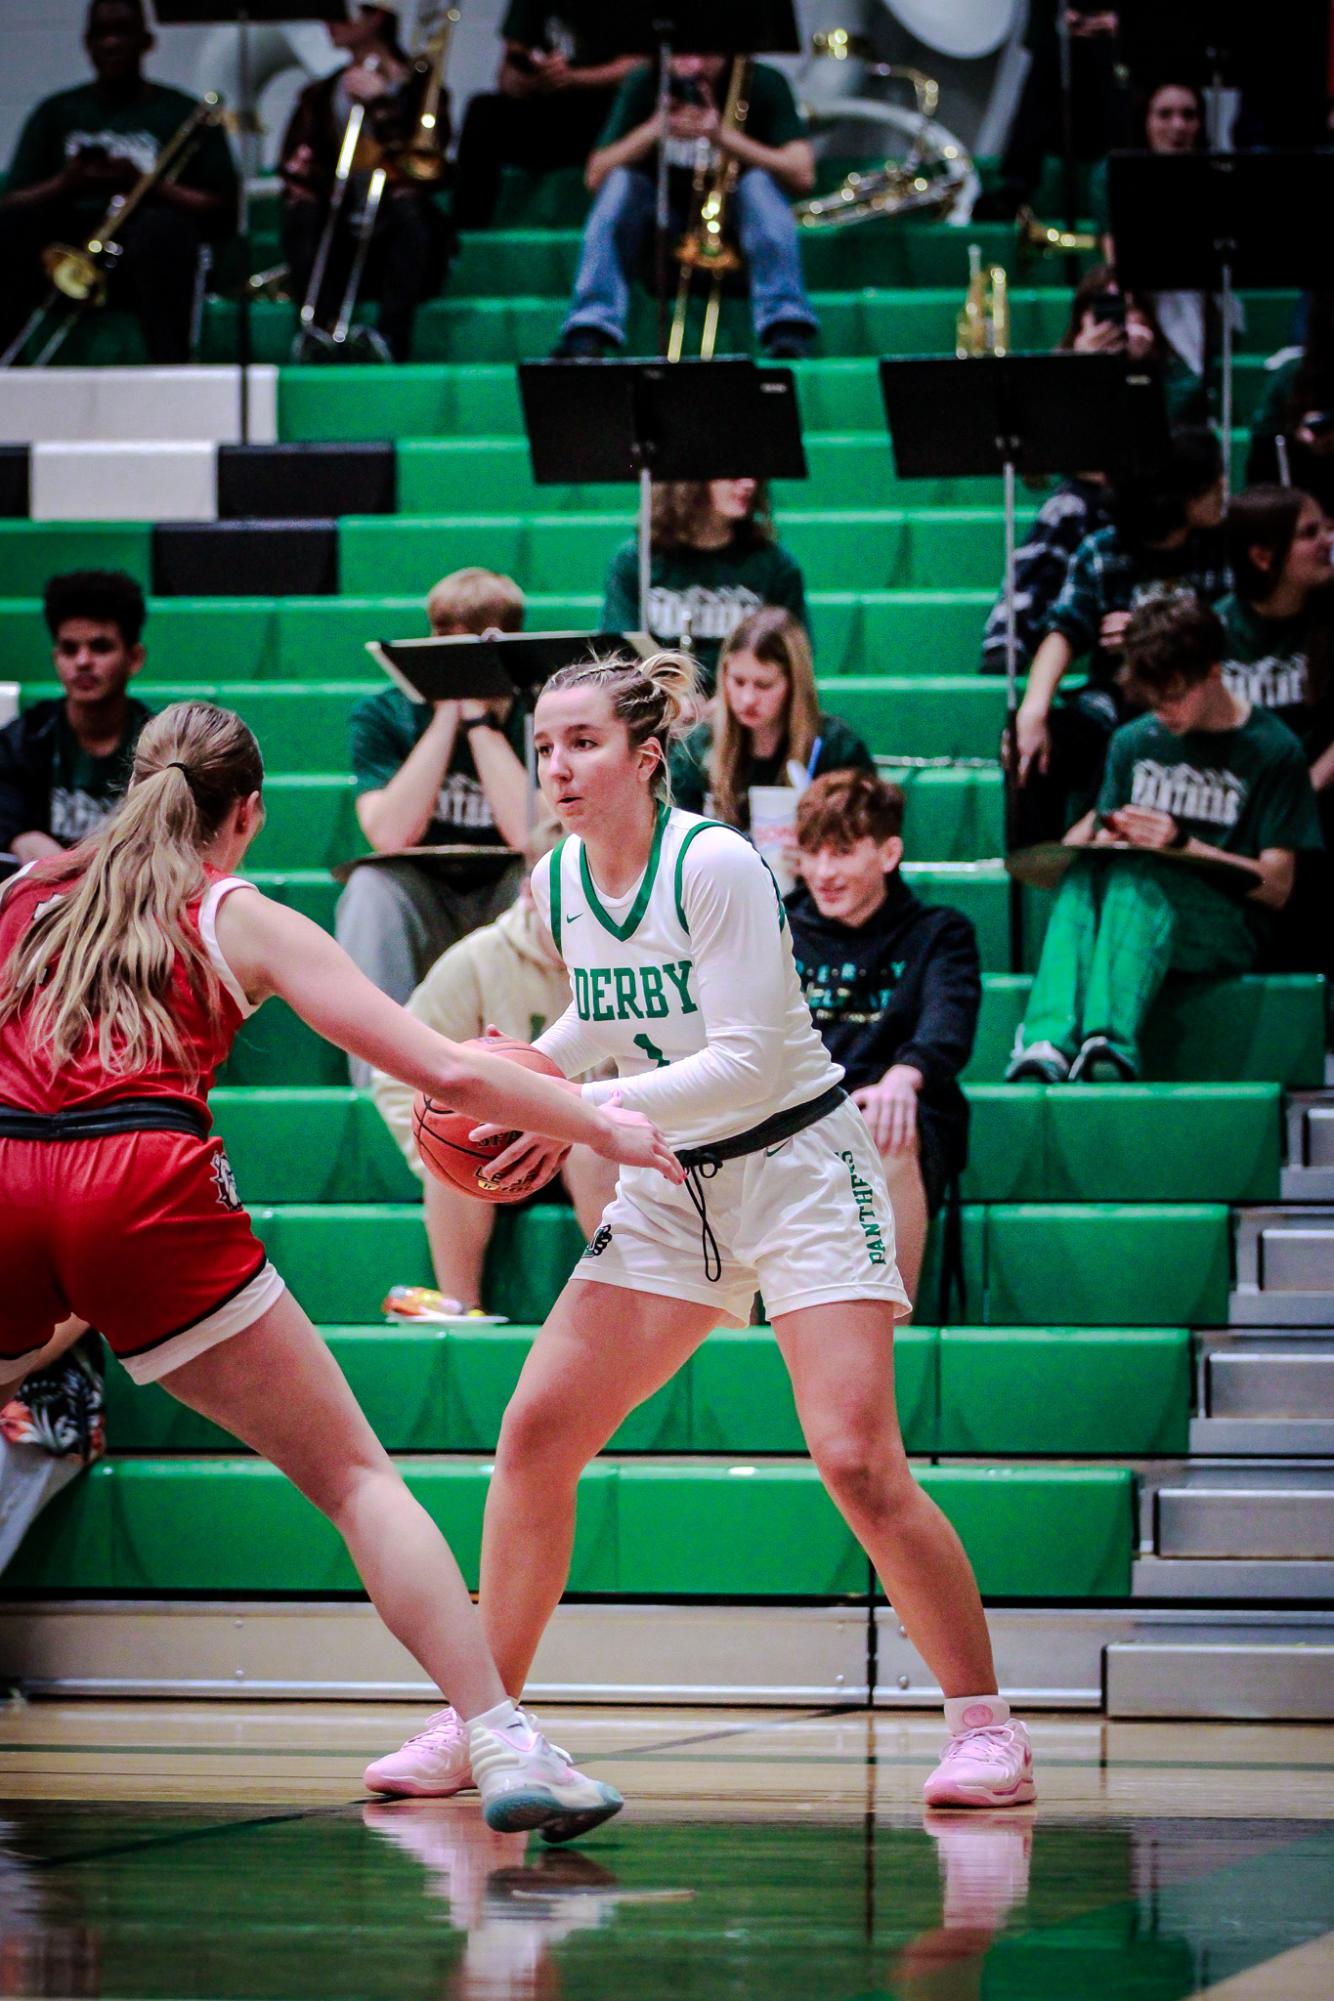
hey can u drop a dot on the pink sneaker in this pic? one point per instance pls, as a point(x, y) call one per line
point(990, 1764)
point(431, 1765)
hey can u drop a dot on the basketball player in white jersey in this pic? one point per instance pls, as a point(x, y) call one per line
point(681, 969)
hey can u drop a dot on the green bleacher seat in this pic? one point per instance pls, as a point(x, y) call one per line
point(1107, 1264)
point(31, 551)
point(1064, 1390)
point(229, 1526)
point(890, 548)
point(1255, 1029)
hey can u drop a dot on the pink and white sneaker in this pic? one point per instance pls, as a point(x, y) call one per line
point(987, 1762)
point(432, 1765)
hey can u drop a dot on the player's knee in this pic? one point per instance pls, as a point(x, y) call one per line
point(863, 1476)
point(537, 1441)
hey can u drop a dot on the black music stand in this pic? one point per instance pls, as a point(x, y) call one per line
point(661, 28)
point(1021, 413)
point(604, 422)
point(1211, 222)
point(244, 14)
point(471, 666)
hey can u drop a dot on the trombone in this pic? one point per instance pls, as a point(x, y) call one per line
point(1046, 239)
point(80, 273)
point(312, 340)
point(706, 247)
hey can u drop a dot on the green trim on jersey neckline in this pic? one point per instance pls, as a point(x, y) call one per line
point(640, 904)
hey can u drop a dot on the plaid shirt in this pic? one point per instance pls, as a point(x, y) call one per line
point(1107, 575)
point(1041, 562)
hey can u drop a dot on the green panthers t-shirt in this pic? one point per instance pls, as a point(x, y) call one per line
point(135, 130)
point(1242, 790)
point(773, 118)
point(1283, 665)
point(386, 728)
point(715, 587)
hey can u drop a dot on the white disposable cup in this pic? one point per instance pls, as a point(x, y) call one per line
point(773, 815)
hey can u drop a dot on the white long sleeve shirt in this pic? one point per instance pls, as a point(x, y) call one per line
point(686, 981)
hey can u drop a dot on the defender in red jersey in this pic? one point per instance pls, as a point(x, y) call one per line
point(126, 968)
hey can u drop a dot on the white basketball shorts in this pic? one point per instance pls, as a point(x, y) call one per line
point(807, 1223)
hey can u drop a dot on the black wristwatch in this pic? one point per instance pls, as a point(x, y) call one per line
point(486, 722)
point(1180, 837)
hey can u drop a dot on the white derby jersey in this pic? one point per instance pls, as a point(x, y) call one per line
point(687, 981)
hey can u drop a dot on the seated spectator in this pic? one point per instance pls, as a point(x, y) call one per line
point(894, 988)
point(508, 976)
point(65, 763)
point(765, 715)
point(714, 558)
point(1165, 534)
point(52, 1428)
point(557, 81)
point(1292, 431)
point(776, 164)
point(83, 147)
point(1279, 622)
point(435, 775)
point(1171, 118)
point(410, 245)
point(1203, 774)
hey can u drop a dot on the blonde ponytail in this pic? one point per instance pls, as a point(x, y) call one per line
point(658, 699)
point(99, 960)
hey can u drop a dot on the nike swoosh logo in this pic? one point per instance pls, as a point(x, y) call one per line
point(574, 917)
point(770, 1151)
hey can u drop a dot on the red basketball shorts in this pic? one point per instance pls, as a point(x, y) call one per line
point(140, 1233)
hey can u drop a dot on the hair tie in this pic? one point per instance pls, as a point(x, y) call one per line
point(174, 764)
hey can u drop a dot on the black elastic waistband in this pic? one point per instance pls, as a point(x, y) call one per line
point(769, 1132)
point(124, 1115)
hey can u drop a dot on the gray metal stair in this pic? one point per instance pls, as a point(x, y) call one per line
point(1243, 1679)
point(1238, 1530)
point(1309, 1174)
point(1267, 1394)
point(1284, 1263)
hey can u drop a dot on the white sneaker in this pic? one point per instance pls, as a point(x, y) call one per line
point(525, 1782)
point(985, 1764)
point(431, 1765)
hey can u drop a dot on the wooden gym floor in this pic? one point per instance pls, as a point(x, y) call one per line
point(225, 1849)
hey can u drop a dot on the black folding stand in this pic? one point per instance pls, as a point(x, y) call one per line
point(1012, 414)
point(604, 422)
point(1211, 222)
point(244, 14)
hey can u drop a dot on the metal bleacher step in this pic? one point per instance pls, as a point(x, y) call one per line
point(1309, 1174)
point(1291, 1680)
point(1284, 1263)
point(1271, 1511)
point(1265, 1394)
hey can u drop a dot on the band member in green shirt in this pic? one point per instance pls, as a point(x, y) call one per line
point(776, 163)
point(1203, 775)
point(80, 149)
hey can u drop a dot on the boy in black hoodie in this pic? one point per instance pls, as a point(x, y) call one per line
point(894, 987)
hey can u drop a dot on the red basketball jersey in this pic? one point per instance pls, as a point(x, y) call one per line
point(207, 1023)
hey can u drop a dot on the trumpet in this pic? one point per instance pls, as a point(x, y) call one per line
point(983, 323)
point(421, 158)
point(80, 273)
point(1045, 239)
point(705, 247)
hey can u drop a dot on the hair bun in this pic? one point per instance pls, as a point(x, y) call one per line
point(676, 677)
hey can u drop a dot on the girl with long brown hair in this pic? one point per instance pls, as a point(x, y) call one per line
point(714, 559)
point(766, 714)
point(126, 968)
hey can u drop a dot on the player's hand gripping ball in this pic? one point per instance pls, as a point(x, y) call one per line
point(443, 1140)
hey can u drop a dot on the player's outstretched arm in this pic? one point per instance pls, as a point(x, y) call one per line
point(272, 950)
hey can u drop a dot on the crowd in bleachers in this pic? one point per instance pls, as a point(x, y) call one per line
point(1179, 694)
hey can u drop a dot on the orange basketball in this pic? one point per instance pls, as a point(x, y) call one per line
point(442, 1136)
